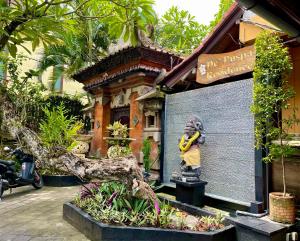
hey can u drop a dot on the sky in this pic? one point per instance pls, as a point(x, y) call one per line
point(203, 10)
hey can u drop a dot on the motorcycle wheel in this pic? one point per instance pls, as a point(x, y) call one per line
point(38, 181)
point(1, 192)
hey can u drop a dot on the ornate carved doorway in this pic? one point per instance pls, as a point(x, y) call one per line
point(121, 114)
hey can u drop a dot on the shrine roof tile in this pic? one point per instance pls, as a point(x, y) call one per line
point(107, 79)
point(112, 60)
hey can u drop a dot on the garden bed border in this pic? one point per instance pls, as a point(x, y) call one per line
point(104, 232)
point(61, 180)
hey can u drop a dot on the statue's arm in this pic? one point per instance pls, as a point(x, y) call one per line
point(201, 139)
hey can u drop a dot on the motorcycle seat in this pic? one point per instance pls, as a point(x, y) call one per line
point(7, 163)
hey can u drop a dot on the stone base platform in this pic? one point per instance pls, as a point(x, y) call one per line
point(190, 192)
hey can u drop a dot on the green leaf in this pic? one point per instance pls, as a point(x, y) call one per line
point(12, 49)
point(126, 34)
point(35, 43)
point(128, 204)
point(25, 48)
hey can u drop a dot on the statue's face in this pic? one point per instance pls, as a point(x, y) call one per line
point(189, 128)
point(193, 125)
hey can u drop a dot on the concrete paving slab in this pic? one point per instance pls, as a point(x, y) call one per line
point(27, 214)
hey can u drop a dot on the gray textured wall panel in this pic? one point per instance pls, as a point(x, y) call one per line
point(228, 155)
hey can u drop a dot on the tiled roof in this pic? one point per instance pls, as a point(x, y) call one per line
point(106, 79)
point(119, 52)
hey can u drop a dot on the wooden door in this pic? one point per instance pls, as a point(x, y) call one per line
point(121, 114)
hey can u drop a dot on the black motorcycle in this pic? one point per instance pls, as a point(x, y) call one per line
point(10, 177)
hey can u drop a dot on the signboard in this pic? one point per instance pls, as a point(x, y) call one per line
point(213, 67)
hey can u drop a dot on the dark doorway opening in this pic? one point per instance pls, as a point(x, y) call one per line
point(121, 114)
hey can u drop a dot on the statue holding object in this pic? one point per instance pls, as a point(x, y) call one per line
point(189, 145)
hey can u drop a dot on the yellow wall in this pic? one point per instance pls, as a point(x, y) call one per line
point(248, 33)
point(250, 30)
point(294, 81)
point(70, 87)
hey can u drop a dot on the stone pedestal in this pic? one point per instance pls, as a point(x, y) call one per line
point(190, 192)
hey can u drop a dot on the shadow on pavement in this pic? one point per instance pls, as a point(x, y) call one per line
point(17, 192)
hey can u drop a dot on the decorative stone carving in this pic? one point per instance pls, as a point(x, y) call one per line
point(150, 113)
point(151, 100)
point(121, 99)
point(189, 145)
point(98, 125)
point(103, 100)
point(81, 148)
point(135, 121)
point(141, 89)
point(154, 104)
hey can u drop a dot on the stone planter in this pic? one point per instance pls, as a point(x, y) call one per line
point(282, 209)
point(83, 145)
point(61, 181)
point(104, 232)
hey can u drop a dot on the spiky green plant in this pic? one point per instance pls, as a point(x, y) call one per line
point(146, 149)
point(57, 129)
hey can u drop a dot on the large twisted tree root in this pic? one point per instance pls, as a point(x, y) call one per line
point(125, 169)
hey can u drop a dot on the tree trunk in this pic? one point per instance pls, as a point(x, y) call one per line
point(283, 175)
point(125, 169)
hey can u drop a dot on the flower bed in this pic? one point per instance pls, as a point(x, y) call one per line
point(109, 213)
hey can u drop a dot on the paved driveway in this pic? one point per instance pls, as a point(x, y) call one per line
point(36, 215)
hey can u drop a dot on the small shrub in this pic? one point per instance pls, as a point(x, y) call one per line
point(26, 95)
point(119, 140)
point(119, 132)
point(57, 129)
point(29, 96)
point(146, 151)
point(209, 223)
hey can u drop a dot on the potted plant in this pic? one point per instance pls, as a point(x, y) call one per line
point(272, 95)
point(58, 133)
point(118, 140)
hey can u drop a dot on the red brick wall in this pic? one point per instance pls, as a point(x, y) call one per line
point(102, 120)
point(136, 132)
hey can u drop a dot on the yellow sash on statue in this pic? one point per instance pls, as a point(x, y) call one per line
point(192, 156)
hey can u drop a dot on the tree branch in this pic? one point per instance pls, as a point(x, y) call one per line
point(10, 28)
point(75, 11)
point(94, 17)
point(119, 4)
point(123, 169)
point(58, 3)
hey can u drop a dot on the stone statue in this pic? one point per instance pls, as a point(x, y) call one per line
point(189, 145)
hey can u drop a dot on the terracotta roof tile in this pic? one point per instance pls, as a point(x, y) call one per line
point(110, 78)
point(155, 48)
